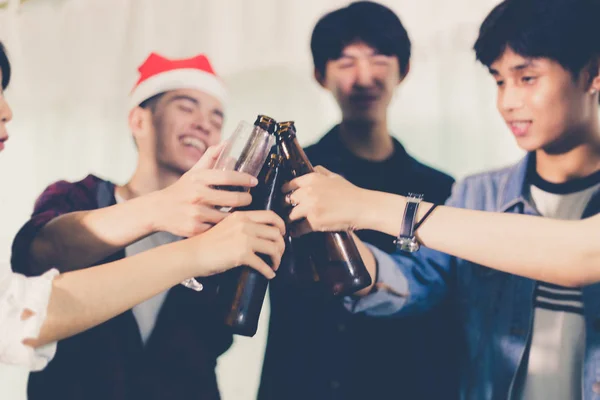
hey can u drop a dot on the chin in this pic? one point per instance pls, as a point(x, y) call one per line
point(530, 144)
point(527, 145)
point(362, 116)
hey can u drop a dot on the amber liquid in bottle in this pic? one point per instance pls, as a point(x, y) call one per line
point(243, 290)
point(333, 256)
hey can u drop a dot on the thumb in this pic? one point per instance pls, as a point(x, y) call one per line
point(210, 157)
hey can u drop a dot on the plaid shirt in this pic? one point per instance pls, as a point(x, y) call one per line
point(110, 361)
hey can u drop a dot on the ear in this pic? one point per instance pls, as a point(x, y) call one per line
point(320, 78)
point(139, 120)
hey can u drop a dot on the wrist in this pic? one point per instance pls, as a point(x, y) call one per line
point(183, 260)
point(192, 265)
point(366, 209)
point(195, 251)
point(149, 206)
point(383, 212)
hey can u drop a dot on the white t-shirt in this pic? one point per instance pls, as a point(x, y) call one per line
point(146, 313)
point(18, 293)
point(555, 365)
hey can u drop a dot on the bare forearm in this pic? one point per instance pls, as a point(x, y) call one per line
point(560, 252)
point(78, 239)
point(83, 299)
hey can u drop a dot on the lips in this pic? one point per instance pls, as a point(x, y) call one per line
point(193, 142)
point(519, 128)
point(364, 98)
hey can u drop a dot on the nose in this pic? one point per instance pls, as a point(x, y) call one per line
point(201, 122)
point(5, 110)
point(510, 99)
point(364, 73)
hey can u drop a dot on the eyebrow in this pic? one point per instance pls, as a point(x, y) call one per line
point(518, 67)
point(184, 97)
point(346, 55)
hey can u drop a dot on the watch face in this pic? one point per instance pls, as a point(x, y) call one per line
point(414, 197)
point(409, 245)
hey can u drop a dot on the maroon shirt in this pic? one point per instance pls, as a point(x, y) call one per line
point(109, 362)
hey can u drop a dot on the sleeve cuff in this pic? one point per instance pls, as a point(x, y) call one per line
point(390, 290)
point(33, 294)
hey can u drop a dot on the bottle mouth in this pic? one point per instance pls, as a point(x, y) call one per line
point(286, 127)
point(267, 123)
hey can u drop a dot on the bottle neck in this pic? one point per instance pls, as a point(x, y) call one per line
point(294, 155)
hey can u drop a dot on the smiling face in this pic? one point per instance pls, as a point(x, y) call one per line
point(362, 82)
point(542, 103)
point(177, 129)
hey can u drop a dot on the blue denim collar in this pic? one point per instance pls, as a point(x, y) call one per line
point(514, 191)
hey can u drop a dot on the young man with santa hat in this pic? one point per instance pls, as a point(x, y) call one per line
point(166, 347)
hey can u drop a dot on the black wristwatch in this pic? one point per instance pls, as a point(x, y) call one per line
point(406, 240)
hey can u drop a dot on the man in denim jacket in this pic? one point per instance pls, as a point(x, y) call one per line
point(524, 339)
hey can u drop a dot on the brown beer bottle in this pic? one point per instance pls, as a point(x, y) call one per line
point(243, 289)
point(297, 268)
point(334, 255)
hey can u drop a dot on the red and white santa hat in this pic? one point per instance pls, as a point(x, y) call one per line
point(159, 74)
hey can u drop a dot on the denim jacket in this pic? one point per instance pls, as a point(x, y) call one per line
point(495, 308)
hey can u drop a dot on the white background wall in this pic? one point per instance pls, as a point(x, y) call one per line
point(75, 61)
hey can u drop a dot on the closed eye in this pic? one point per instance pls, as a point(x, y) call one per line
point(381, 60)
point(185, 109)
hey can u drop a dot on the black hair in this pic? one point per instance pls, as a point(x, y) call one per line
point(150, 103)
point(4, 66)
point(361, 21)
point(565, 31)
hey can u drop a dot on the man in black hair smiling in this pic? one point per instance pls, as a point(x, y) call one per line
point(525, 339)
point(316, 349)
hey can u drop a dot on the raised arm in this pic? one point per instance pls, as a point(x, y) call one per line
point(68, 232)
point(82, 299)
point(555, 251)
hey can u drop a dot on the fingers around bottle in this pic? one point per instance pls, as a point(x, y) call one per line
point(228, 178)
point(266, 217)
point(210, 215)
point(257, 263)
point(216, 196)
point(268, 248)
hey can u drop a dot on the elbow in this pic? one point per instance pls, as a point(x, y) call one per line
point(43, 254)
point(40, 253)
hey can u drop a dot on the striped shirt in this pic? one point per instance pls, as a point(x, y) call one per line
point(553, 369)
